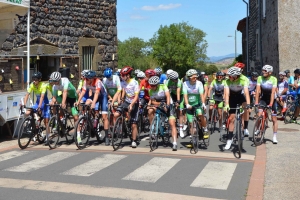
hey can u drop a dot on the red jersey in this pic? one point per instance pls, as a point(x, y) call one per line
point(144, 85)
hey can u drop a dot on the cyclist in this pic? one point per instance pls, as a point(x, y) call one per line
point(145, 87)
point(290, 80)
point(282, 89)
point(266, 91)
point(162, 77)
point(234, 88)
point(297, 86)
point(112, 84)
point(130, 88)
point(174, 85)
point(160, 93)
point(140, 76)
point(136, 72)
point(252, 85)
point(217, 86)
point(193, 96)
point(40, 90)
point(80, 84)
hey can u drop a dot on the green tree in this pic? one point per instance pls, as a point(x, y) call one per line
point(239, 58)
point(210, 69)
point(179, 47)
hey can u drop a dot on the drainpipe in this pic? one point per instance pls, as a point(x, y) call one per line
point(260, 36)
point(247, 35)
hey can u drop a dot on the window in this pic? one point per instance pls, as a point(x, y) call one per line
point(87, 57)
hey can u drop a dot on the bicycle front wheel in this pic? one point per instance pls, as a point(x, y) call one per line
point(140, 127)
point(41, 135)
point(240, 139)
point(258, 131)
point(153, 136)
point(212, 124)
point(195, 132)
point(117, 134)
point(25, 134)
point(82, 132)
point(53, 135)
point(70, 131)
point(289, 114)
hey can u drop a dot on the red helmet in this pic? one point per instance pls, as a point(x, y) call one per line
point(126, 70)
point(240, 65)
point(150, 72)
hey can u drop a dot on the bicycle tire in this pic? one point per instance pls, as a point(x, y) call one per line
point(195, 137)
point(117, 134)
point(201, 132)
point(83, 127)
point(239, 139)
point(53, 135)
point(41, 136)
point(70, 131)
point(25, 133)
point(289, 114)
point(140, 127)
point(259, 137)
point(153, 135)
point(211, 127)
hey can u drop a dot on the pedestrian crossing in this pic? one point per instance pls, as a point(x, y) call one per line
point(214, 175)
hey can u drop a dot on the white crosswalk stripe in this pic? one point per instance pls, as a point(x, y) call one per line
point(215, 175)
point(12, 154)
point(152, 170)
point(41, 162)
point(91, 167)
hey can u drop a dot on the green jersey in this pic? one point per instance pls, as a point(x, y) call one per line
point(173, 86)
point(237, 86)
point(112, 85)
point(159, 94)
point(267, 85)
point(193, 92)
point(64, 84)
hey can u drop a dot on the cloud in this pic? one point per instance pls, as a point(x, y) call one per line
point(161, 7)
point(138, 17)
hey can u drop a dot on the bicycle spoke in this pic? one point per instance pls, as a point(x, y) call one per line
point(25, 133)
point(117, 134)
point(54, 128)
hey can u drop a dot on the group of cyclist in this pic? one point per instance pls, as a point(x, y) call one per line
point(128, 89)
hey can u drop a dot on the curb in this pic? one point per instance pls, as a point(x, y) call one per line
point(257, 180)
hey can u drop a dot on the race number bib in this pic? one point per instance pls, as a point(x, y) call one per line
point(192, 99)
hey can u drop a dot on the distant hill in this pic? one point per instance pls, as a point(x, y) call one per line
point(215, 59)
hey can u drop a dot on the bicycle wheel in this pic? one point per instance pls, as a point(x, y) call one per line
point(117, 134)
point(195, 132)
point(83, 130)
point(41, 132)
point(289, 114)
point(153, 136)
point(211, 126)
point(70, 131)
point(258, 131)
point(25, 134)
point(53, 135)
point(239, 139)
point(140, 127)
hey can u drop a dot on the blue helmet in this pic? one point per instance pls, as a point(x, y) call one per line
point(108, 72)
point(90, 74)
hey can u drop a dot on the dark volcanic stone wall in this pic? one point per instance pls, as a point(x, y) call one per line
point(64, 22)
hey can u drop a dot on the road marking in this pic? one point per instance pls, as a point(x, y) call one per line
point(90, 190)
point(12, 154)
point(41, 162)
point(91, 167)
point(145, 138)
point(215, 175)
point(152, 170)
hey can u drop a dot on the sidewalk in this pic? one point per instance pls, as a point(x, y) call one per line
point(282, 177)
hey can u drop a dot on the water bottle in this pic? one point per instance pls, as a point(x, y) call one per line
point(141, 94)
point(95, 123)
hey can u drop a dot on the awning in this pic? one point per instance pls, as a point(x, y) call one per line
point(23, 3)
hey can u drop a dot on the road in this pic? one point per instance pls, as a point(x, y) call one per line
point(98, 172)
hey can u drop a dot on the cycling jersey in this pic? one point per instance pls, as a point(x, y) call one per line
point(96, 85)
point(65, 84)
point(218, 87)
point(252, 85)
point(48, 87)
point(237, 86)
point(245, 78)
point(159, 94)
point(193, 92)
point(144, 85)
point(131, 89)
point(40, 89)
point(267, 85)
point(297, 81)
point(291, 81)
point(37, 89)
point(173, 86)
point(112, 85)
point(281, 86)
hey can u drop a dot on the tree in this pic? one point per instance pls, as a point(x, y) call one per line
point(179, 47)
point(210, 69)
point(239, 58)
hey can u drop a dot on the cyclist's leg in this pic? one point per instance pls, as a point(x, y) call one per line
point(233, 101)
point(74, 111)
point(103, 99)
point(211, 106)
point(181, 107)
point(245, 116)
point(134, 115)
point(202, 121)
point(220, 111)
point(172, 124)
point(151, 112)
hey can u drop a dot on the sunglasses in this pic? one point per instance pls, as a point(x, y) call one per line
point(219, 76)
point(194, 77)
point(52, 81)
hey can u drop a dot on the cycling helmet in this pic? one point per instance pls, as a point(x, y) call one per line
point(108, 72)
point(240, 65)
point(219, 73)
point(150, 72)
point(55, 76)
point(168, 71)
point(90, 74)
point(126, 70)
point(282, 73)
point(268, 68)
point(136, 71)
point(83, 72)
point(287, 71)
point(154, 80)
point(37, 75)
point(141, 75)
point(173, 75)
point(158, 70)
point(255, 74)
point(234, 71)
point(297, 71)
point(191, 72)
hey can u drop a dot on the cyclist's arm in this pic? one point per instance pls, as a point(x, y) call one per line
point(64, 97)
point(257, 94)
point(209, 91)
point(226, 96)
point(96, 95)
point(246, 92)
point(186, 99)
point(178, 94)
point(272, 96)
point(26, 98)
point(116, 96)
point(167, 93)
point(81, 94)
point(136, 97)
point(205, 91)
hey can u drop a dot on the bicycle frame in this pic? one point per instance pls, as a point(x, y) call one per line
point(158, 114)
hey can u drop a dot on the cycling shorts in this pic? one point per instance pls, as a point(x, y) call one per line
point(190, 115)
point(71, 102)
point(219, 103)
point(45, 109)
point(266, 101)
point(235, 99)
point(134, 114)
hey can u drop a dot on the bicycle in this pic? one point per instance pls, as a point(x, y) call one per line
point(291, 108)
point(31, 128)
point(59, 127)
point(159, 128)
point(87, 127)
point(143, 121)
point(197, 132)
point(261, 125)
point(214, 118)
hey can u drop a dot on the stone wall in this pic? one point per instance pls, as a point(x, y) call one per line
point(289, 34)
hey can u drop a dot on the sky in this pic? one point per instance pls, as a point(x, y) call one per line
point(217, 18)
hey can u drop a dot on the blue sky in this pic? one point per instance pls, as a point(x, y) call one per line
point(217, 18)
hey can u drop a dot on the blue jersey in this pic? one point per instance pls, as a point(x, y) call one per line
point(291, 81)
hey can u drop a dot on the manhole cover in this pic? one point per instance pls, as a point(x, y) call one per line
point(287, 129)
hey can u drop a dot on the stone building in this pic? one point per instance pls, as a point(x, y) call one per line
point(76, 34)
point(274, 34)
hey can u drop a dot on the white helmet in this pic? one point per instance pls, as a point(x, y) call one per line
point(191, 72)
point(234, 71)
point(55, 76)
point(168, 71)
point(268, 68)
point(154, 80)
point(141, 75)
point(282, 73)
point(173, 75)
point(136, 71)
point(83, 72)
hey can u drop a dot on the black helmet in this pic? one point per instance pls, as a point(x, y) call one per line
point(219, 73)
point(297, 71)
point(287, 71)
point(37, 75)
point(255, 74)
